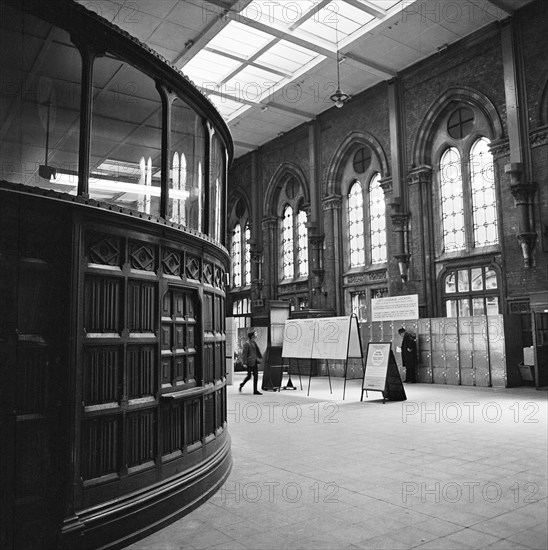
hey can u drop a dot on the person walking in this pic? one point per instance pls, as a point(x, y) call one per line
point(408, 354)
point(251, 357)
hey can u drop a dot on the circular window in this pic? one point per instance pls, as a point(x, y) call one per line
point(240, 208)
point(362, 160)
point(291, 188)
point(460, 123)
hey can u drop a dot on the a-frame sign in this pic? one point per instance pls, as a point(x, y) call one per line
point(381, 372)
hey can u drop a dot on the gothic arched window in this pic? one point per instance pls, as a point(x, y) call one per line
point(287, 243)
point(366, 217)
point(355, 225)
point(377, 217)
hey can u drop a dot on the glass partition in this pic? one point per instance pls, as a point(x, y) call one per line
point(39, 103)
point(126, 137)
point(216, 179)
point(186, 185)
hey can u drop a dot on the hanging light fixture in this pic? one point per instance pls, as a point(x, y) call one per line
point(339, 97)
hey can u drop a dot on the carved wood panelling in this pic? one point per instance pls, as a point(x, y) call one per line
point(141, 437)
point(209, 405)
point(141, 371)
point(33, 372)
point(100, 447)
point(32, 457)
point(220, 407)
point(177, 338)
point(142, 256)
point(171, 262)
point(104, 250)
point(103, 305)
point(192, 268)
point(193, 421)
point(142, 306)
point(172, 428)
point(208, 273)
point(102, 382)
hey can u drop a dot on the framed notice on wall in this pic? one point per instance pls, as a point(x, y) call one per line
point(395, 308)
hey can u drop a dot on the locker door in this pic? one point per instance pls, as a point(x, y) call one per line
point(541, 349)
point(466, 353)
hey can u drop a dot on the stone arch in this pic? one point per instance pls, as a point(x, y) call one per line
point(232, 202)
point(452, 97)
point(276, 183)
point(342, 154)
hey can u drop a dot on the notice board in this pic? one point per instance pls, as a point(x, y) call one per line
point(322, 338)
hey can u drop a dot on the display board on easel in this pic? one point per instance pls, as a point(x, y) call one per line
point(335, 338)
point(381, 372)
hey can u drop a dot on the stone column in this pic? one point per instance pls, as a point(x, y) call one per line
point(270, 272)
point(523, 193)
point(422, 177)
point(333, 269)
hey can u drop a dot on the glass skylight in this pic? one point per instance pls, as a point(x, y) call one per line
point(244, 62)
point(240, 40)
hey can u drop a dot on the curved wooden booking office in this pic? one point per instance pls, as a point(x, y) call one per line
point(112, 289)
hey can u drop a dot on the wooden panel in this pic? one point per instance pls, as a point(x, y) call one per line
point(102, 375)
point(193, 422)
point(140, 437)
point(172, 428)
point(209, 404)
point(100, 447)
point(103, 305)
point(141, 371)
point(142, 306)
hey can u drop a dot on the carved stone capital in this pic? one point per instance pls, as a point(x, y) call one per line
point(527, 242)
point(269, 223)
point(333, 202)
point(500, 148)
point(386, 184)
point(400, 220)
point(539, 137)
point(420, 175)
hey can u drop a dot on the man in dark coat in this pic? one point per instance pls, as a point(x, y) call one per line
point(251, 357)
point(408, 354)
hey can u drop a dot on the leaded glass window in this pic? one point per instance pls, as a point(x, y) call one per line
point(482, 184)
point(358, 302)
point(356, 226)
point(377, 216)
point(287, 243)
point(247, 255)
point(236, 254)
point(302, 243)
point(452, 203)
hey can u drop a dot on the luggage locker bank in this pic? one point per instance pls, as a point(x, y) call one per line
point(112, 373)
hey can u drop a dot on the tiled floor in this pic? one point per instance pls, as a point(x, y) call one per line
point(451, 467)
